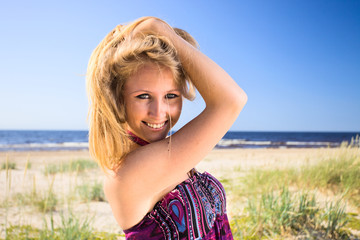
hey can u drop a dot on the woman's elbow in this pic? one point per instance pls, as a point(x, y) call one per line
point(239, 101)
point(233, 101)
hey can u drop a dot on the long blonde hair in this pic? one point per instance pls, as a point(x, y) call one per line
point(114, 60)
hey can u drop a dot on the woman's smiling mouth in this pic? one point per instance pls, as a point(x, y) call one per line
point(155, 125)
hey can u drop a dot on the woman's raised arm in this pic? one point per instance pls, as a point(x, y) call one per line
point(164, 163)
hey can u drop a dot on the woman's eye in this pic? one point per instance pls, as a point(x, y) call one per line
point(143, 96)
point(171, 95)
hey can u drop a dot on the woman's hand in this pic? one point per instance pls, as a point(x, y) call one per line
point(152, 25)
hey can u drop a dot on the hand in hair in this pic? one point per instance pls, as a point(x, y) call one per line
point(151, 25)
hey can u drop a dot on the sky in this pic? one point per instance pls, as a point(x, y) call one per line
point(298, 61)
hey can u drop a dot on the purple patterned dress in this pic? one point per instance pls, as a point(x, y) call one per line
point(195, 209)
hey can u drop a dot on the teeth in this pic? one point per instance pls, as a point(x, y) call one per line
point(156, 125)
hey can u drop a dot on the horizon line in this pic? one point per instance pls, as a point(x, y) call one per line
point(309, 131)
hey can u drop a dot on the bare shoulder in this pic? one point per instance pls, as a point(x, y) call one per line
point(128, 206)
point(117, 187)
point(112, 186)
point(113, 192)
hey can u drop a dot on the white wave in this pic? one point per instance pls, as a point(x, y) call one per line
point(232, 142)
point(76, 144)
point(45, 145)
point(310, 143)
point(237, 142)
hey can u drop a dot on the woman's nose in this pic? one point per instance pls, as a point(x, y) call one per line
point(158, 108)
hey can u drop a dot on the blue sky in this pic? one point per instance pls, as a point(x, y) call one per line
point(298, 61)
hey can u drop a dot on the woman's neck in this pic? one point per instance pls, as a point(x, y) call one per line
point(137, 139)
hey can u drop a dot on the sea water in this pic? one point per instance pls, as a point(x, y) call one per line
point(30, 140)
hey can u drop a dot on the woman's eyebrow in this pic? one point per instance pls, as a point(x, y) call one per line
point(140, 90)
point(174, 90)
point(147, 91)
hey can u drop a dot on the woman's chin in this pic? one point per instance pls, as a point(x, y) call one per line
point(156, 138)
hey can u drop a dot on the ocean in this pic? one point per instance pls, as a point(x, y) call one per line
point(26, 140)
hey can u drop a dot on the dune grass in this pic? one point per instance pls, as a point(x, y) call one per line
point(48, 202)
point(267, 203)
point(91, 192)
point(79, 165)
point(277, 215)
point(340, 174)
point(9, 165)
point(274, 212)
point(71, 227)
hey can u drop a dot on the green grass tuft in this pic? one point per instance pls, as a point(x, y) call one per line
point(71, 228)
point(276, 215)
point(22, 232)
point(78, 165)
point(92, 192)
point(46, 202)
point(340, 174)
point(8, 165)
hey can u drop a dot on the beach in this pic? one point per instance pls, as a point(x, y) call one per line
point(36, 172)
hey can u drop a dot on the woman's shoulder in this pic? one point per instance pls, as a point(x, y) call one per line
point(111, 182)
point(128, 207)
point(113, 188)
point(118, 188)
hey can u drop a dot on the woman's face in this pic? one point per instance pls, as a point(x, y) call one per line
point(153, 102)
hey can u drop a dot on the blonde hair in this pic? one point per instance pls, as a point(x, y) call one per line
point(114, 60)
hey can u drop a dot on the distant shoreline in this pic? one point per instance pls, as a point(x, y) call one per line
point(28, 140)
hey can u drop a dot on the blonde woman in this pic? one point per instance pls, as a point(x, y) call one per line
point(137, 79)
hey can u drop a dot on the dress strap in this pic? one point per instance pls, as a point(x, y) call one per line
point(192, 172)
point(136, 139)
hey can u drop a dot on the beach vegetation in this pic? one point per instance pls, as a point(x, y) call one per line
point(354, 143)
point(28, 165)
point(46, 202)
point(71, 227)
point(280, 214)
point(93, 192)
point(8, 165)
point(339, 174)
point(79, 165)
point(52, 169)
point(315, 200)
point(274, 212)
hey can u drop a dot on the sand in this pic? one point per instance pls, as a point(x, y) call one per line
point(219, 163)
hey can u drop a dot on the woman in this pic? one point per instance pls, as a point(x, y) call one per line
point(136, 78)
